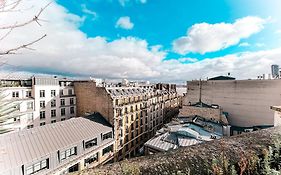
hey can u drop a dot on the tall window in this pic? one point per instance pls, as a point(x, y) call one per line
point(15, 94)
point(71, 110)
point(62, 111)
point(53, 103)
point(42, 115)
point(42, 93)
point(62, 102)
point(68, 153)
point(53, 93)
point(71, 101)
point(61, 92)
point(42, 104)
point(28, 94)
point(53, 113)
point(29, 105)
point(69, 91)
point(43, 123)
point(44, 164)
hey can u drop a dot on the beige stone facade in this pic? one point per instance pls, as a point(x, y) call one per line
point(246, 101)
point(135, 112)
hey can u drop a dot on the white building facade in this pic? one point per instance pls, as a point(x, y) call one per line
point(35, 102)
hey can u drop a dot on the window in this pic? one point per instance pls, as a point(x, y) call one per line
point(15, 94)
point(62, 102)
point(93, 158)
point(71, 101)
point(61, 92)
point(107, 150)
point(63, 119)
point(44, 164)
point(69, 91)
point(42, 104)
point(29, 126)
point(29, 105)
point(68, 153)
point(62, 111)
point(91, 143)
point(53, 93)
point(53, 103)
point(53, 121)
point(107, 136)
point(42, 124)
point(42, 93)
point(28, 94)
point(42, 115)
point(29, 117)
point(71, 110)
point(53, 113)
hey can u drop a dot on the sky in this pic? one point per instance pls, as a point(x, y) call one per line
point(155, 40)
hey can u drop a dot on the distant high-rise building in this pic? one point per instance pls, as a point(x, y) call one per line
point(275, 71)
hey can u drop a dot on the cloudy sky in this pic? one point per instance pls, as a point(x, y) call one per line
point(157, 40)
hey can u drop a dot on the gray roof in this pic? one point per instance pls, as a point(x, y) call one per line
point(25, 146)
point(179, 135)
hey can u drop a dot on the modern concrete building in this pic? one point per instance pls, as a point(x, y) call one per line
point(275, 72)
point(35, 102)
point(59, 148)
point(247, 102)
point(183, 132)
point(135, 112)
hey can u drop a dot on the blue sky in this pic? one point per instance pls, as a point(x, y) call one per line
point(161, 21)
point(156, 40)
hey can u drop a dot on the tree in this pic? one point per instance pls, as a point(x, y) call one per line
point(8, 109)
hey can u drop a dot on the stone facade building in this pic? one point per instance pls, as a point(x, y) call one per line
point(135, 112)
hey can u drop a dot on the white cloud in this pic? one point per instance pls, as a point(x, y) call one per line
point(124, 2)
point(67, 50)
point(87, 11)
point(244, 44)
point(204, 37)
point(192, 60)
point(278, 31)
point(260, 44)
point(142, 1)
point(124, 22)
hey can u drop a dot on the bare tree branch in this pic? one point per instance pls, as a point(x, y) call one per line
point(34, 19)
point(25, 46)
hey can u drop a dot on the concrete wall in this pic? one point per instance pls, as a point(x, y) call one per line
point(247, 101)
point(93, 99)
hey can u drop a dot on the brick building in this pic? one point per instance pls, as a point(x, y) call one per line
point(135, 112)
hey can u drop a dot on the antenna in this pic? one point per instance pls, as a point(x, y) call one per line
point(200, 92)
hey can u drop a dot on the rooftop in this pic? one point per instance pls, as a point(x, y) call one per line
point(183, 132)
point(25, 146)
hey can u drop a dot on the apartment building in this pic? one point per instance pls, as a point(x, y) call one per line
point(57, 149)
point(35, 102)
point(135, 112)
